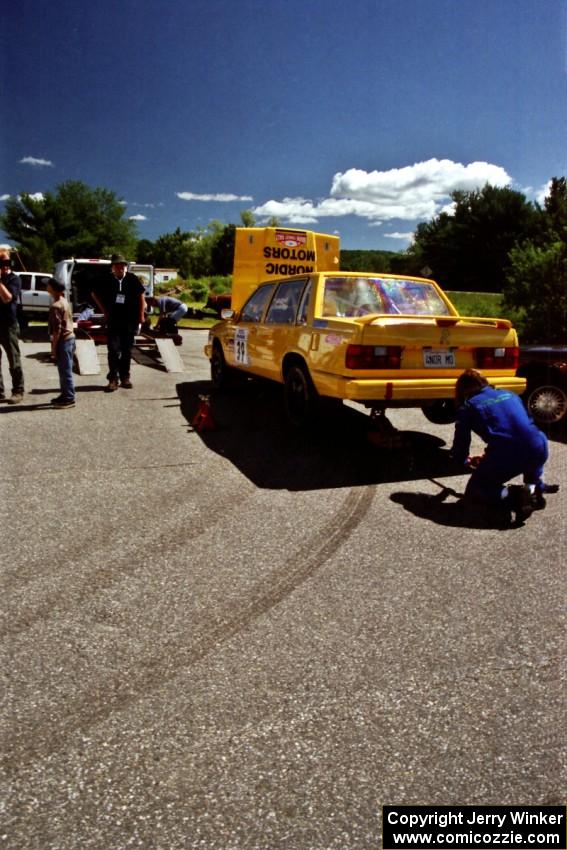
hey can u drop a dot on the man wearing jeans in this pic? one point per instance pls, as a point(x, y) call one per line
point(10, 288)
point(120, 296)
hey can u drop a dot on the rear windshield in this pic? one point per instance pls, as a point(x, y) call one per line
point(359, 296)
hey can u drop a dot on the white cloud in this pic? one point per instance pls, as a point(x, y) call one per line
point(4, 197)
point(415, 192)
point(448, 209)
point(542, 194)
point(295, 210)
point(407, 237)
point(138, 217)
point(221, 196)
point(36, 196)
point(37, 163)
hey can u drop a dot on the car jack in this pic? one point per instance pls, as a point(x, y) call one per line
point(382, 433)
point(203, 419)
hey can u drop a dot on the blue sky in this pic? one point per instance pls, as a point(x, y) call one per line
point(356, 117)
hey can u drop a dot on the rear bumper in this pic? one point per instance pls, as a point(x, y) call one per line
point(410, 390)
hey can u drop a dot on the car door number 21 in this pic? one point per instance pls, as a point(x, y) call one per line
point(241, 346)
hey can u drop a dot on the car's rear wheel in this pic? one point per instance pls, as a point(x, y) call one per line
point(440, 412)
point(300, 396)
point(547, 403)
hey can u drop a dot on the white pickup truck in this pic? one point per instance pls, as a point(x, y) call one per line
point(34, 297)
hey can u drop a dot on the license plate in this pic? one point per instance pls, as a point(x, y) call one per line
point(439, 358)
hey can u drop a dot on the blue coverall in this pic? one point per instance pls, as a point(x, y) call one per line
point(514, 444)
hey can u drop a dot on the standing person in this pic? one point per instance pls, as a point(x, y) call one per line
point(62, 343)
point(514, 446)
point(10, 288)
point(170, 311)
point(120, 297)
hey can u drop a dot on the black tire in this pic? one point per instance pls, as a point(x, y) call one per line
point(547, 403)
point(300, 397)
point(220, 372)
point(440, 412)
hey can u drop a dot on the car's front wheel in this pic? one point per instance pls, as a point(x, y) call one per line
point(547, 403)
point(220, 372)
point(300, 396)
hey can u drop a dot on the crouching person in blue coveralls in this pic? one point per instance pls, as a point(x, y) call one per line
point(514, 446)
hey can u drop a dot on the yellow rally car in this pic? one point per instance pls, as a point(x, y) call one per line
point(378, 339)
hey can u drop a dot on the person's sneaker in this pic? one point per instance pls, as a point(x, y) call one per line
point(550, 488)
point(111, 387)
point(519, 502)
point(16, 398)
point(63, 404)
point(56, 400)
point(126, 383)
point(538, 499)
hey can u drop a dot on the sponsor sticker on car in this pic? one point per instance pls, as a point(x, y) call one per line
point(241, 346)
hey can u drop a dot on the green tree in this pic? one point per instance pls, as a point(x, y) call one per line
point(75, 220)
point(173, 250)
point(469, 249)
point(222, 253)
point(537, 285)
point(247, 218)
point(145, 250)
point(555, 210)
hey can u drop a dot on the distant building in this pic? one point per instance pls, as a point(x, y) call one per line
point(165, 275)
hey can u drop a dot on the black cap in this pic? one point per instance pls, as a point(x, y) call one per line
point(56, 284)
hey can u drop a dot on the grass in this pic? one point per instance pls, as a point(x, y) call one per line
point(205, 322)
point(484, 305)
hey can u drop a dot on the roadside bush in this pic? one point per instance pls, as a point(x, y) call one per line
point(172, 287)
point(186, 296)
point(195, 290)
point(220, 285)
point(199, 290)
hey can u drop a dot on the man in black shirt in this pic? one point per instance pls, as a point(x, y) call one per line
point(10, 288)
point(120, 297)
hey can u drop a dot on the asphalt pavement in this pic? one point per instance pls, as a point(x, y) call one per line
point(245, 638)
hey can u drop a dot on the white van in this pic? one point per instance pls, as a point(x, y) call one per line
point(81, 276)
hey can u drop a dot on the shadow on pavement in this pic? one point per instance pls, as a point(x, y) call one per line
point(457, 514)
point(251, 432)
point(23, 407)
point(35, 333)
point(40, 356)
point(557, 434)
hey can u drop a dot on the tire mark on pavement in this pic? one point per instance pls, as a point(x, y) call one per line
point(70, 595)
point(114, 694)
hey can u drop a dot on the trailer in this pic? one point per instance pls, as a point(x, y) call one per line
point(89, 334)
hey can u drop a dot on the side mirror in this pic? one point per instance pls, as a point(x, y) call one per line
point(227, 314)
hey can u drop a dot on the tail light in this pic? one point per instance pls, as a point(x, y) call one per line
point(497, 358)
point(373, 357)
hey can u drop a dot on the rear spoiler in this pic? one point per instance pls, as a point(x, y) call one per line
point(440, 321)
